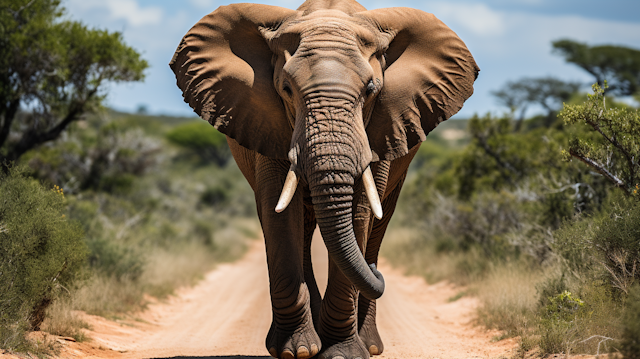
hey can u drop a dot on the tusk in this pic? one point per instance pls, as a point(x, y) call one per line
point(289, 189)
point(372, 192)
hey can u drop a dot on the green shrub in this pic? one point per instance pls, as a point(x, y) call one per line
point(40, 252)
point(604, 244)
point(617, 238)
point(630, 344)
point(202, 140)
point(108, 258)
point(613, 145)
point(217, 195)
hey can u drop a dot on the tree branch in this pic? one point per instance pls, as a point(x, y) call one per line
point(9, 115)
point(485, 146)
point(598, 167)
point(32, 139)
point(612, 140)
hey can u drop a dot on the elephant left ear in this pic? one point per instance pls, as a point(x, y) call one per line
point(429, 75)
point(224, 68)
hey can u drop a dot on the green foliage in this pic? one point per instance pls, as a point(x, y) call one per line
point(111, 259)
point(202, 140)
point(214, 196)
point(630, 343)
point(547, 92)
point(618, 65)
point(563, 306)
point(40, 252)
point(616, 238)
point(615, 150)
point(499, 158)
point(108, 157)
point(55, 67)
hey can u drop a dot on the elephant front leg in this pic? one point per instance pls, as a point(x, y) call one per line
point(338, 319)
point(338, 315)
point(292, 333)
point(309, 277)
point(367, 328)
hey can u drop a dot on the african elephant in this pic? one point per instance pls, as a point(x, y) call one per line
point(324, 108)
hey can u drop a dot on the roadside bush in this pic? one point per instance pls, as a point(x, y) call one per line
point(63, 321)
point(630, 344)
point(604, 245)
point(108, 258)
point(617, 238)
point(107, 158)
point(40, 252)
point(202, 140)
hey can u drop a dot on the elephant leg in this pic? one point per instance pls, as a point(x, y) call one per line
point(309, 277)
point(338, 319)
point(292, 333)
point(367, 328)
point(338, 315)
point(389, 178)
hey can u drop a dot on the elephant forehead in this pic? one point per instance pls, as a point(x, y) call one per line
point(333, 30)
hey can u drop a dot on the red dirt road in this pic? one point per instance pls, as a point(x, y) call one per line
point(228, 315)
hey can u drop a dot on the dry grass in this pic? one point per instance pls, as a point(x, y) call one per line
point(65, 322)
point(509, 299)
point(405, 248)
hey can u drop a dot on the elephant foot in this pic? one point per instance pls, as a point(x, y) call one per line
point(301, 343)
point(370, 337)
point(352, 348)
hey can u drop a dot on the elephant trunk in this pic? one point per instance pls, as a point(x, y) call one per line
point(334, 216)
point(331, 181)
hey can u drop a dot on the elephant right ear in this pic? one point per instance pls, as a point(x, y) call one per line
point(429, 74)
point(223, 67)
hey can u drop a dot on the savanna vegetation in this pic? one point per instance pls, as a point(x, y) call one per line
point(538, 216)
point(98, 208)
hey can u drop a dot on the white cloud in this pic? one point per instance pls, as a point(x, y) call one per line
point(478, 18)
point(127, 10)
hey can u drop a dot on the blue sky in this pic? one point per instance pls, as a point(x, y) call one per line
point(509, 39)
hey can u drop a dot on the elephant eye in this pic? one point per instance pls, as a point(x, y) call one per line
point(287, 89)
point(371, 88)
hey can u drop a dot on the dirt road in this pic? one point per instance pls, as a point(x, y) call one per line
point(228, 315)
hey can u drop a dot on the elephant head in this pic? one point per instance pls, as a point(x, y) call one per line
point(331, 87)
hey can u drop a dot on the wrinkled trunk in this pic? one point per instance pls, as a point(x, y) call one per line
point(334, 157)
point(333, 203)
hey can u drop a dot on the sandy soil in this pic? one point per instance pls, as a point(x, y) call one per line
point(227, 315)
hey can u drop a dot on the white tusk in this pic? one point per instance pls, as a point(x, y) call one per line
point(289, 189)
point(372, 193)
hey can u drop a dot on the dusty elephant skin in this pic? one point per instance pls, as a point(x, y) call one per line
point(324, 107)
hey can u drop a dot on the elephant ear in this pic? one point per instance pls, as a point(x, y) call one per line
point(223, 67)
point(429, 74)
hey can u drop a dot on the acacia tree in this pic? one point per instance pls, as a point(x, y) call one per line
point(52, 72)
point(614, 151)
point(547, 92)
point(618, 65)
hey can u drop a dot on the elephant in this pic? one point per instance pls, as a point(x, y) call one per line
point(324, 107)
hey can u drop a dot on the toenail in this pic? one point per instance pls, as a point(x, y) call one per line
point(287, 354)
point(303, 352)
point(273, 352)
point(314, 349)
point(373, 350)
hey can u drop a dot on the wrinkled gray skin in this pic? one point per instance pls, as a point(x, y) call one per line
point(328, 67)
